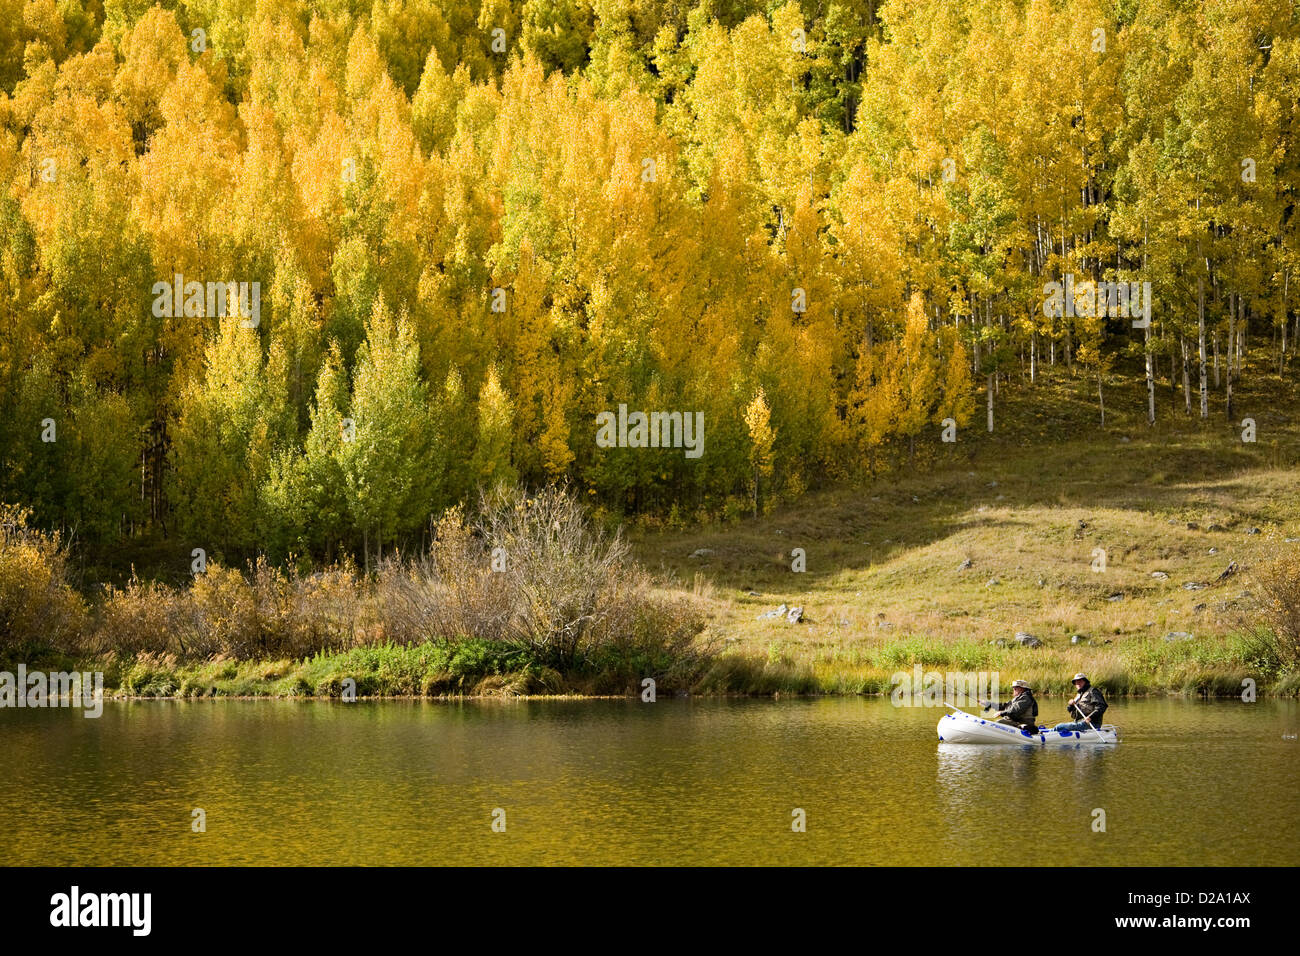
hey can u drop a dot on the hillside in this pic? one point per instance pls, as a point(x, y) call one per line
point(999, 537)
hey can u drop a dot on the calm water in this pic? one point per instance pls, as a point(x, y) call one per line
point(615, 782)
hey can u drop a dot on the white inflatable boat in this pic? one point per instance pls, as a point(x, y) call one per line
point(960, 727)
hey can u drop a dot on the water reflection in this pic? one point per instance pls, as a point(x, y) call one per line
point(619, 782)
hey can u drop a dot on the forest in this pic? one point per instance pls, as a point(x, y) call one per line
point(412, 248)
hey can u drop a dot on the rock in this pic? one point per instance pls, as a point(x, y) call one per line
point(1078, 639)
point(999, 497)
point(795, 615)
point(844, 622)
point(1178, 636)
point(964, 565)
point(1193, 526)
point(1193, 586)
point(1149, 624)
point(775, 612)
point(753, 593)
point(993, 484)
point(1119, 596)
point(1213, 551)
point(1253, 531)
point(992, 582)
point(1027, 640)
point(884, 625)
point(1124, 439)
point(1198, 608)
point(701, 552)
point(998, 643)
point(915, 500)
point(1215, 527)
point(1292, 540)
point(1159, 574)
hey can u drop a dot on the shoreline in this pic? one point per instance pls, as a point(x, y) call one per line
point(401, 674)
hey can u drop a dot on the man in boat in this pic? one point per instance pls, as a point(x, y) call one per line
point(1086, 707)
point(1021, 710)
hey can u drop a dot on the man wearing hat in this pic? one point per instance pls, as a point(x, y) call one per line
point(1021, 710)
point(1086, 707)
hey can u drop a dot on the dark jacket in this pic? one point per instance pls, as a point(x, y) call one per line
point(1022, 710)
point(1088, 703)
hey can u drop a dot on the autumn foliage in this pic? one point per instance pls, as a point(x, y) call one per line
point(475, 225)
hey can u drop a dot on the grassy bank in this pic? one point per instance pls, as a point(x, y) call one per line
point(474, 668)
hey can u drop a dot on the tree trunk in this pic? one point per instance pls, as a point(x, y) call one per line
point(1200, 344)
point(990, 402)
point(1281, 363)
point(1242, 329)
point(1228, 359)
point(1187, 382)
point(1151, 378)
point(1215, 338)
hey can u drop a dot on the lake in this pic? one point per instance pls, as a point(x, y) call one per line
point(624, 782)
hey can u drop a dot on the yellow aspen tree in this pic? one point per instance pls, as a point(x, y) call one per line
point(762, 437)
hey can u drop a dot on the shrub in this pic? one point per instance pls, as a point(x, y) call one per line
point(570, 600)
point(569, 597)
point(1278, 581)
point(39, 610)
point(142, 618)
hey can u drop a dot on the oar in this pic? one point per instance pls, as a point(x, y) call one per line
point(1088, 720)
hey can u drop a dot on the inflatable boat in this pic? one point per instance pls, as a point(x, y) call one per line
point(960, 727)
